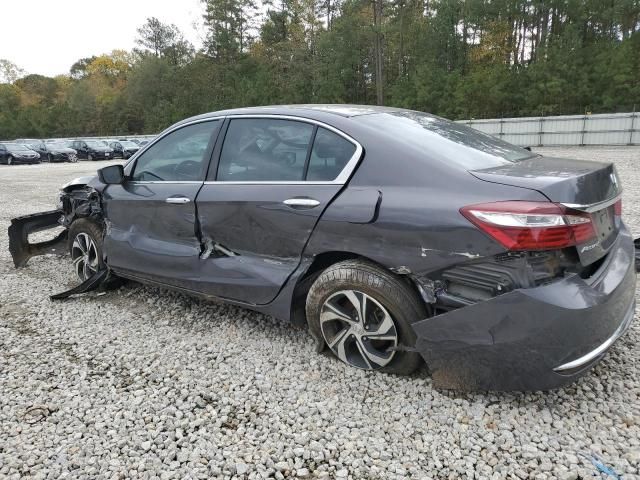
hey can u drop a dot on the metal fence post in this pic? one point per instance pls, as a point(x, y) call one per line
point(584, 129)
point(540, 130)
point(633, 121)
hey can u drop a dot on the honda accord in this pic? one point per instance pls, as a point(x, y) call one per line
point(395, 236)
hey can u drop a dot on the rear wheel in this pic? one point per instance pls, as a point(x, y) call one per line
point(85, 247)
point(364, 315)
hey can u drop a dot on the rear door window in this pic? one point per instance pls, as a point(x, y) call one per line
point(329, 156)
point(265, 149)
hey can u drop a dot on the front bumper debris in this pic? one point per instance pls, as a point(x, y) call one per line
point(20, 248)
point(524, 339)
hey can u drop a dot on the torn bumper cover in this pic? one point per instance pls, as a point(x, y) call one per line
point(20, 229)
point(535, 338)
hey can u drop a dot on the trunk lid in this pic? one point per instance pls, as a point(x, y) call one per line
point(578, 184)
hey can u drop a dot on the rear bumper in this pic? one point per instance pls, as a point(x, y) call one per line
point(533, 339)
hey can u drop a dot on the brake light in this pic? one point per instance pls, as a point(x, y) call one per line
point(521, 225)
point(617, 208)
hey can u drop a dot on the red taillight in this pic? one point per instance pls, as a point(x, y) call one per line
point(520, 225)
point(617, 208)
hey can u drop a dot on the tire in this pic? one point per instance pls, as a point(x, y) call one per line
point(89, 157)
point(9, 160)
point(370, 343)
point(86, 258)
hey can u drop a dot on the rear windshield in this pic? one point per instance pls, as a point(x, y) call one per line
point(462, 145)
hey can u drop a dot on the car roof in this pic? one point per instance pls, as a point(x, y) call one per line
point(314, 111)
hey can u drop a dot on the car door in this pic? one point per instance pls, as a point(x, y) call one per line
point(151, 216)
point(3, 154)
point(81, 148)
point(257, 209)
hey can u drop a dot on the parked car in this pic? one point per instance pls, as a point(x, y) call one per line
point(393, 235)
point(60, 152)
point(12, 153)
point(124, 148)
point(53, 151)
point(92, 150)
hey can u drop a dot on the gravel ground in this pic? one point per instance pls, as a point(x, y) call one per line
point(141, 382)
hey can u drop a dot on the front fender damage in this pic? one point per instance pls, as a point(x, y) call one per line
point(76, 201)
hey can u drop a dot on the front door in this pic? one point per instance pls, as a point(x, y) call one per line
point(151, 217)
point(274, 179)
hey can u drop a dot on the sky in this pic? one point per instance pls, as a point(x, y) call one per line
point(48, 36)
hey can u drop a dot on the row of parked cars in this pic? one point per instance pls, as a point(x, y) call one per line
point(30, 150)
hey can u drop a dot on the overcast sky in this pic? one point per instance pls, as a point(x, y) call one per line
point(48, 36)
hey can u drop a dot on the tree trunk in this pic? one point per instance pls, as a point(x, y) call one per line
point(379, 58)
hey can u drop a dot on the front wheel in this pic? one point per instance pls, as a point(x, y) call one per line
point(85, 247)
point(364, 315)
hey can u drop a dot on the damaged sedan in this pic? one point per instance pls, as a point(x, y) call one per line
point(395, 236)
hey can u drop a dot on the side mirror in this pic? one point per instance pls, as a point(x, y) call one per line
point(111, 175)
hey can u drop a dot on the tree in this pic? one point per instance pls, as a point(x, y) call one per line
point(157, 36)
point(9, 71)
point(79, 69)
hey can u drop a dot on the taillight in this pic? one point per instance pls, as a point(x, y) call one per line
point(617, 208)
point(520, 225)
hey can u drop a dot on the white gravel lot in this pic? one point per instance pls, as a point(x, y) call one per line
point(144, 383)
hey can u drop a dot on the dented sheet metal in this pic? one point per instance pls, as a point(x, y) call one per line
point(515, 341)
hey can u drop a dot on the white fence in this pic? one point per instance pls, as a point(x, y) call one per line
point(601, 129)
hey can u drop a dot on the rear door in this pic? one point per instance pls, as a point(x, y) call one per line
point(257, 209)
point(151, 217)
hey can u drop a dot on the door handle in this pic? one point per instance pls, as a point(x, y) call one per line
point(177, 200)
point(302, 202)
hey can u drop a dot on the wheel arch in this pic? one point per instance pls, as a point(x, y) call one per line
point(320, 263)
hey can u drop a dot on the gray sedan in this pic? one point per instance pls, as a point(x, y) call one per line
point(394, 236)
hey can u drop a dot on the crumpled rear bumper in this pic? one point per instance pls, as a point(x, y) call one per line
point(533, 339)
point(20, 248)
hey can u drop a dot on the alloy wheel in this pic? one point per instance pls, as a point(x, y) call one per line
point(84, 255)
point(358, 329)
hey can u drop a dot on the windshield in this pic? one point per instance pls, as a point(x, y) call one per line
point(96, 144)
point(17, 147)
point(464, 146)
point(129, 144)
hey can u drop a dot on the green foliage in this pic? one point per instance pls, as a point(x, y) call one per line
point(455, 58)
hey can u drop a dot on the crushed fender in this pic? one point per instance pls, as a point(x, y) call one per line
point(20, 248)
point(89, 284)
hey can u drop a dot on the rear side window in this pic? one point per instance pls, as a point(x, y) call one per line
point(264, 149)
point(329, 156)
point(179, 156)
